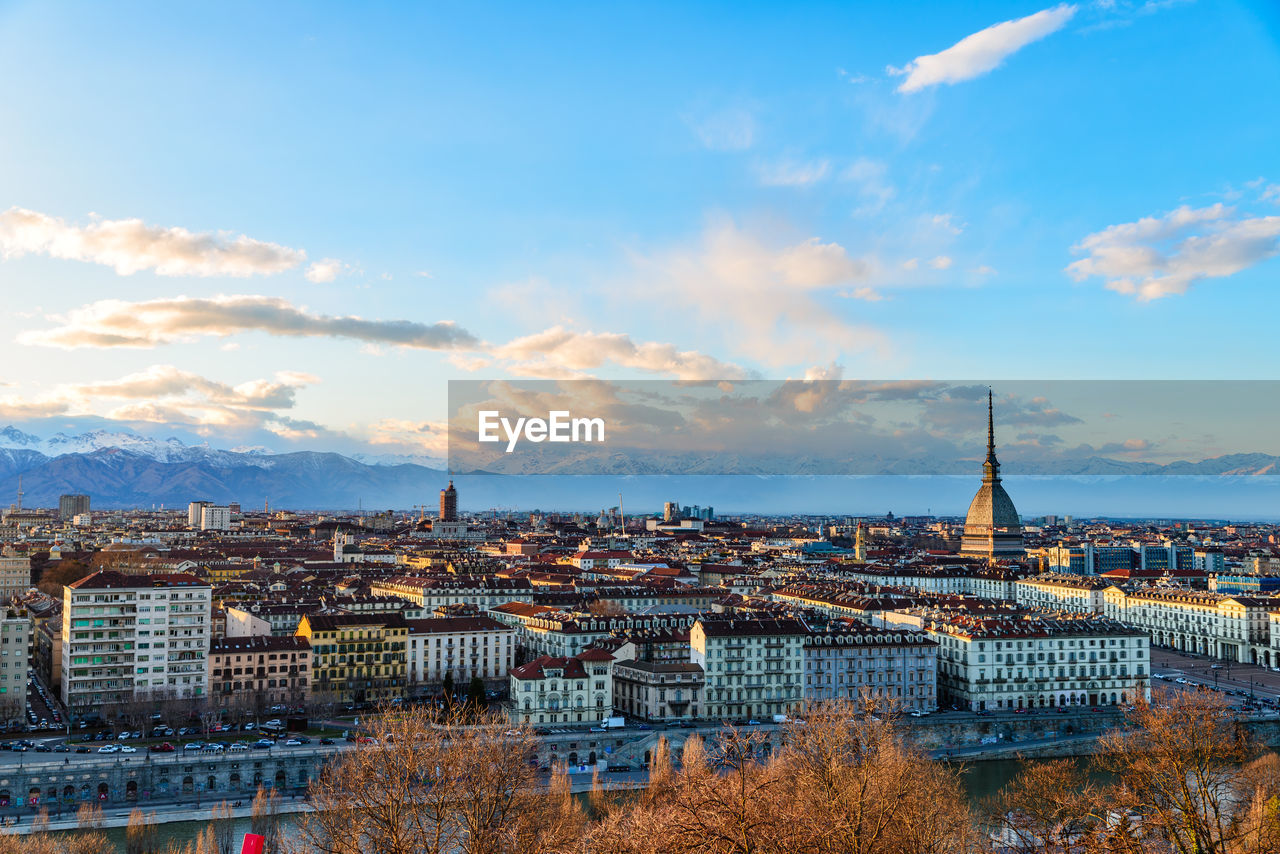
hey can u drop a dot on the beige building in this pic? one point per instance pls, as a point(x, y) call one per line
point(15, 575)
point(1075, 594)
point(658, 690)
point(1213, 624)
point(259, 672)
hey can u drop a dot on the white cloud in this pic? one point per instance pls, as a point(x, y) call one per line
point(130, 245)
point(911, 264)
point(325, 270)
point(771, 290)
point(149, 323)
point(866, 294)
point(981, 52)
point(1271, 193)
point(941, 262)
point(1159, 256)
point(560, 352)
point(983, 270)
point(728, 129)
point(790, 173)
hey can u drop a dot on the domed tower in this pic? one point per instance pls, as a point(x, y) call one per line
point(992, 527)
point(449, 504)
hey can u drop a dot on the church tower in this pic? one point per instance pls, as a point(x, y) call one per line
point(992, 527)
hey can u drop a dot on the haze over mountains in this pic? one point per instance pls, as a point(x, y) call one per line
point(124, 469)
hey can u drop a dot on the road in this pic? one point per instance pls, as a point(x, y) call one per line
point(1264, 684)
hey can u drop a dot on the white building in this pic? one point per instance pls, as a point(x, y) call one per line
point(754, 666)
point(214, 517)
point(134, 636)
point(15, 644)
point(1037, 662)
point(462, 646)
point(1213, 624)
point(575, 691)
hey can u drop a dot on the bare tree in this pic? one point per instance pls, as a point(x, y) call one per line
point(420, 786)
point(140, 835)
point(264, 819)
point(1179, 767)
point(222, 827)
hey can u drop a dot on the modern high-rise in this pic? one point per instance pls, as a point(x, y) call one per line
point(449, 504)
point(992, 527)
point(127, 637)
point(71, 506)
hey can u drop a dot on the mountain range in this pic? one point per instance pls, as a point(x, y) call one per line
point(125, 469)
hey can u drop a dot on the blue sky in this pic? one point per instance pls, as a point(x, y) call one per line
point(871, 190)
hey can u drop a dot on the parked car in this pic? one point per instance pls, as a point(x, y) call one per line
point(166, 747)
point(293, 742)
point(263, 743)
point(109, 748)
point(327, 741)
point(128, 748)
point(61, 748)
point(238, 746)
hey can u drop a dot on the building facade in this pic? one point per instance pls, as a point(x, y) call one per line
point(357, 658)
point(577, 691)
point(260, 672)
point(1034, 662)
point(871, 667)
point(461, 646)
point(754, 666)
point(134, 636)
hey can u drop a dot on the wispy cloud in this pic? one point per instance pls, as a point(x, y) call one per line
point(982, 51)
point(328, 269)
point(792, 173)
point(130, 245)
point(558, 352)
point(150, 323)
point(1159, 256)
point(726, 129)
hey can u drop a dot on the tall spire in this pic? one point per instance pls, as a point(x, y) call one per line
point(991, 467)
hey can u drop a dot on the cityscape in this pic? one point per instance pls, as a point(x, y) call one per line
point(643, 428)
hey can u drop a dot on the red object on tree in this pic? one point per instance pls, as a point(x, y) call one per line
point(252, 844)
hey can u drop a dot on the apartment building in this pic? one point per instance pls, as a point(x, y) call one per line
point(134, 636)
point(15, 575)
point(871, 667)
point(574, 691)
point(1214, 624)
point(357, 658)
point(754, 666)
point(1035, 662)
point(260, 672)
point(1074, 594)
point(658, 691)
point(15, 640)
point(462, 646)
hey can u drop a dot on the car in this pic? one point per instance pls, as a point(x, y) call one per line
point(618, 769)
point(108, 748)
point(327, 741)
point(643, 726)
point(753, 722)
point(249, 725)
point(917, 713)
point(43, 748)
point(20, 748)
point(293, 742)
point(193, 745)
point(599, 729)
point(83, 749)
point(263, 743)
point(165, 747)
point(61, 748)
point(128, 748)
point(122, 736)
point(302, 739)
point(238, 746)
